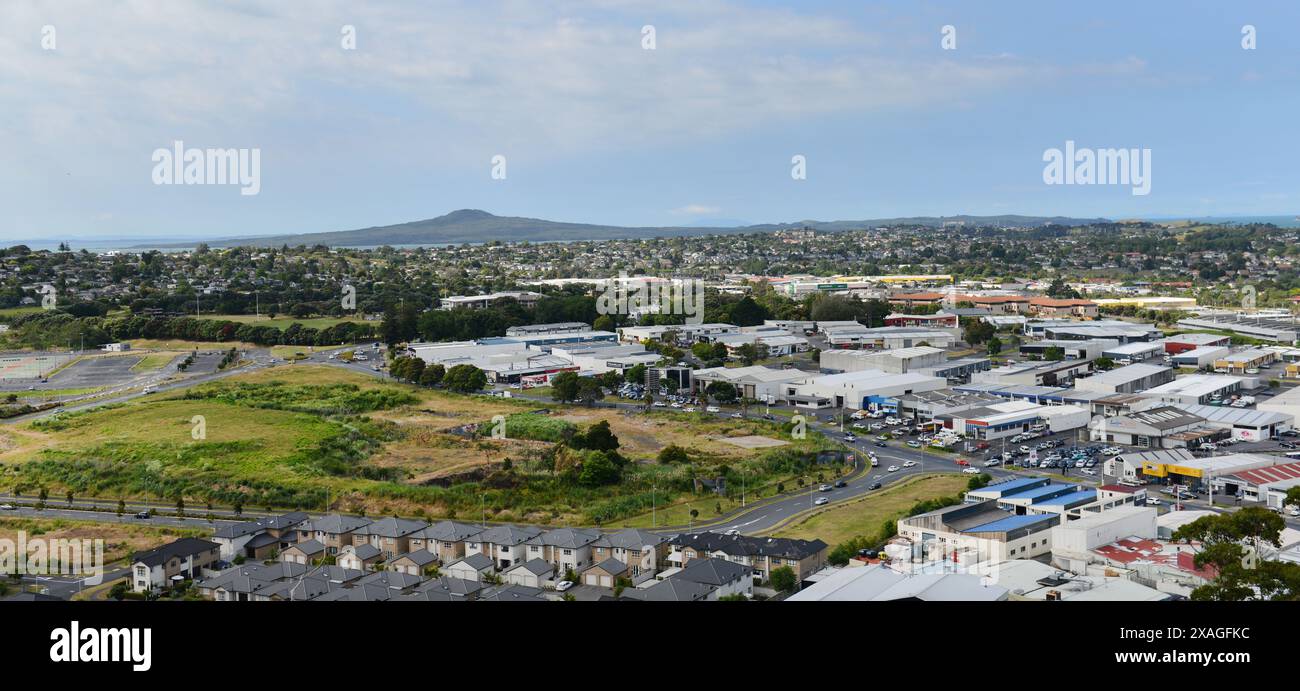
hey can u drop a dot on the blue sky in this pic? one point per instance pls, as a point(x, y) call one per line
point(596, 129)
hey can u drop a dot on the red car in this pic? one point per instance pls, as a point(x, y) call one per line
point(962, 461)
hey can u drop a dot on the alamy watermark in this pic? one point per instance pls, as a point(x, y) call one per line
point(38, 556)
point(1083, 166)
point(637, 296)
point(193, 166)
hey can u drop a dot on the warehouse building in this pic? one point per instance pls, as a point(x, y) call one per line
point(967, 535)
point(1130, 353)
point(1181, 343)
point(1266, 329)
point(1267, 485)
point(862, 389)
point(1129, 379)
point(887, 337)
point(1162, 427)
point(1010, 418)
point(1242, 423)
point(1200, 358)
point(1199, 388)
point(1072, 350)
point(894, 360)
point(1197, 473)
point(1074, 541)
point(756, 382)
point(1128, 466)
point(1247, 361)
point(1035, 373)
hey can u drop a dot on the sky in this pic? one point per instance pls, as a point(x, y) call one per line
point(404, 123)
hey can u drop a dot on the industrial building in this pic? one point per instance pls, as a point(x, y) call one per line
point(1009, 418)
point(1200, 358)
point(1130, 353)
point(1243, 424)
point(1285, 330)
point(966, 535)
point(1248, 361)
point(1035, 373)
point(756, 382)
point(1200, 388)
point(1162, 427)
point(1181, 343)
point(862, 389)
point(1090, 349)
point(1197, 472)
point(887, 337)
point(1129, 379)
point(1128, 466)
point(1074, 541)
point(893, 360)
point(1267, 485)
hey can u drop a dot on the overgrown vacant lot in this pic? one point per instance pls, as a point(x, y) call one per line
point(865, 516)
point(120, 539)
point(315, 436)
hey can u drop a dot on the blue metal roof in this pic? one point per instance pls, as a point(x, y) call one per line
point(1003, 487)
point(1034, 493)
point(1010, 523)
point(1082, 496)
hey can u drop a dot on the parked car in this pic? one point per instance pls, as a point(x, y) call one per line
point(563, 586)
point(712, 409)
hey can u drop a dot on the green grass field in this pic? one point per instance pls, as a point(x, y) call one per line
point(154, 361)
point(284, 321)
point(865, 516)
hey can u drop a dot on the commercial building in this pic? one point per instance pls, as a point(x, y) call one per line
point(879, 583)
point(1200, 358)
point(556, 328)
point(930, 405)
point(1124, 332)
point(893, 360)
point(606, 357)
point(1128, 466)
point(1159, 428)
point(1198, 388)
point(1244, 361)
point(862, 389)
point(1267, 485)
point(1287, 403)
point(524, 297)
point(941, 320)
point(1035, 373)
point(1130, 353)
point(967, 535)
point(1198, 472)
point(1010, 418)
point(1181, 343)
point(887, 337)
point(1129, 379)
point(1243, 424)
point(756, 382)
point(1071, 350)
point(1074, 541)
point(1266, 329)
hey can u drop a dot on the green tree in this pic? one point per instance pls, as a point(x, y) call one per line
point(995, 345)
point(465, 379)
point(1230, 543)
point(783, 579)
point(564, 387)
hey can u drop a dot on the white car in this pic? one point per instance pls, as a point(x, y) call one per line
point(875, 462)
point(712, 409)
point(660, 404)
point(909, 464)
point(563, 586)
point(1153, 501)
point(1293, 511)
point(970, 471)
point(733, 531)
point(892, 469)
point(7, 507)
point(689, 409)
point(1088, 471)
point(822, 501)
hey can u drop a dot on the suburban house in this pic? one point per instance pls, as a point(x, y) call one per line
point(413, 563)
point(534, 573)
point(761, 554)
point(642, 551)
point(391, 536)
point(333, 531)
point(503, 544)
point(444, 539)
point(472, 568)
point(259, 539)
point(175, 561)
point(566, 549)
point(1063, 307)
point(360, 557)
point(729, 578)
point(606, 573)
point(303, 553)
